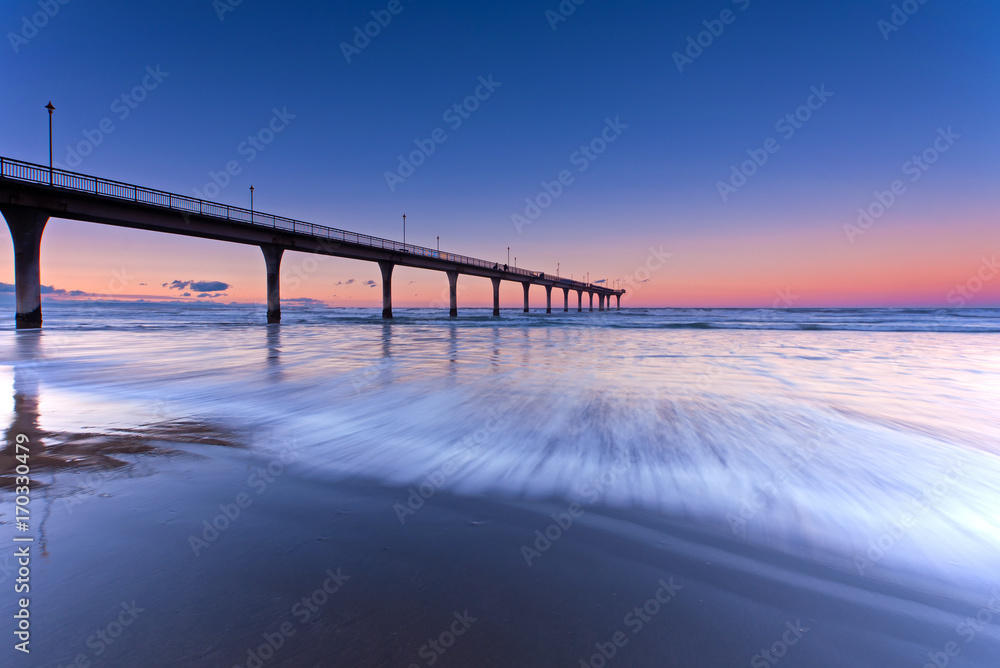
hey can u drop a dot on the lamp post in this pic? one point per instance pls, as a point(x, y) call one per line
point(251, 203)
point(508, 254)
point(51, 109)
point(404, 229)
point(557, 270)
point(439, 244)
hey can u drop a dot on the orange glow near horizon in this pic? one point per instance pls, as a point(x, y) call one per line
point(891, 266)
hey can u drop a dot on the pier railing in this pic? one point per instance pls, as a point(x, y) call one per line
point(66, 180)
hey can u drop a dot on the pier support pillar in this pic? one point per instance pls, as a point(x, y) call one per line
point(591, 301)
point(600, 302)
point(496, 296)
point(386, 268)
point(548, 299)
point(453, 290)
point(272, 260)
point(526, 286)
point(26, 227)
point(566, 300)
point(579, 301)
point(619, 298)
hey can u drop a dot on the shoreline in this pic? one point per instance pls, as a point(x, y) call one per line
point(398, 585)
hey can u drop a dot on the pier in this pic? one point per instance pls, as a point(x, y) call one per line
point(30, 194)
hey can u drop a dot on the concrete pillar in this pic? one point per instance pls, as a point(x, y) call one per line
point(453, 290)
point(386, 268)
point(579, 301)
point(548, 299)
point(619, 298)
point(272, 260)
point(591, 300)
point(600, 301)
point(496, 296)
point(26, 227)
point(526, 286)
point(566, 300)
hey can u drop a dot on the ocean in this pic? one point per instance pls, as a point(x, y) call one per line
point(822, 486)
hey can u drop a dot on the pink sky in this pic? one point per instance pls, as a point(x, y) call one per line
point(893, 264)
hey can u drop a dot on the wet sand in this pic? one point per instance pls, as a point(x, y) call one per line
point(261, 503)
point(448, 587)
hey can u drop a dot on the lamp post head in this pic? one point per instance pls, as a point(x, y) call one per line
point(50, 107)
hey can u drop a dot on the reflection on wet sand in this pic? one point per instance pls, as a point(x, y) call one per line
point(100, 450)
point(274, 344)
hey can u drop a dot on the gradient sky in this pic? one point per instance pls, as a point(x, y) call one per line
point(780, 239)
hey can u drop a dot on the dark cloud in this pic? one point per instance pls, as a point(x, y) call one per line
point(198, 286)
point(304, 300)
point(46, 290)
point(210, 286)
point(347, 282)
point(370, 284)
point(186, 294)
point(204, 294)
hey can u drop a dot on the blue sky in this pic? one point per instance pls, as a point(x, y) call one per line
point(657, 184)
